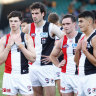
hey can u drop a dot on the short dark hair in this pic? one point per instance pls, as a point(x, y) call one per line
point(73, 18)
point(39, 5)
point(94, 12)
point(86, 14)
point(15, 14)
point(53, 17)
point(27, 20)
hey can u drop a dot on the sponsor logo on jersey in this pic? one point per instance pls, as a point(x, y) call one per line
point(47, 80)
point(33, 34)
point(88, 45)
point(65, 46)
point(6, 90)
point(58, 74)
point(94, 90)
point(29, 88)
point(52, 80)
point(62, 88)
point(74, 45)
point(89, 90)
point(43, 40)
point(44, 34)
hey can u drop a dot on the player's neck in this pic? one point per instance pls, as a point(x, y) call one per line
point(39, 24)
point(72, 34)
point(14, 32)
point(89, 31)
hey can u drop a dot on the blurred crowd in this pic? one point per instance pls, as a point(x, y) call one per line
point(74, 7)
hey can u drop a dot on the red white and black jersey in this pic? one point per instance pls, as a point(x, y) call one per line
point(85, 66)
point(68, 48)
point(43, 42)
point(16, 61)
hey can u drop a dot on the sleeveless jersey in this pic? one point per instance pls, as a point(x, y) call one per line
point(42, 41)
point(16, 62)
point(68, 48)
point(85, 66)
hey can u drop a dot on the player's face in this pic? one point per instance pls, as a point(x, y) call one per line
point(37, 16)
point(24, 27)
point(68, 25)
point(14, 23)
point(83, 24)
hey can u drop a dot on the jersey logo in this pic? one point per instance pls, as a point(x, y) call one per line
point(74, 45)
point(65, 46)
point(44, 34)
point(88, 45)
point(89, 90)
point(33, 34)
point(43, 40)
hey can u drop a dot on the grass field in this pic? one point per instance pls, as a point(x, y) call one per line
point(1, 76)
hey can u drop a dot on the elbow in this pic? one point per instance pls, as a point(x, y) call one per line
point(94, 63)
point(1, 62)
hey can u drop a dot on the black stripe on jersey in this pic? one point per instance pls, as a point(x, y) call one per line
point(78, 37)
point(89, 68)
point(76, 41)
point(47, 43)
point(24, 61)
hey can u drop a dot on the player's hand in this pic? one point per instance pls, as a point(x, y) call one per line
point(84, 45)
point(18, 40)
point(46, 59)
point(62, 63)
point(10, 42)
point(79, 45)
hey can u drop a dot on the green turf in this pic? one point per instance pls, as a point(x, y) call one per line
point(1, 76)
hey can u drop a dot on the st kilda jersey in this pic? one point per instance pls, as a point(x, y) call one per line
point(85, 66)
point(16, 62)
point(68, 48)
point(43, 42)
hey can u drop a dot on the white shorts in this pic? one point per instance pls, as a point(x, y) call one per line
point(87, 85)
point(57, 72)
point(42, 76)
point(16, 83)
point(69, 83)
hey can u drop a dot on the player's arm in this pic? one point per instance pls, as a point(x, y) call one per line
point(77, 53)
point(91, 58)
point(29, 53)
point(55, 52)
point(3, 51)
point(55, 31)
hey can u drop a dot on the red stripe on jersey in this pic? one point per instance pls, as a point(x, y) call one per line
point(32, 34)
point(8, 66)
point(64, 49)
point(82, 37)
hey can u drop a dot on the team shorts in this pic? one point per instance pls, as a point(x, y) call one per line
point(42, 76)
point(16, 83)
point(69, 83)
point(87, 85)
point(57, 72)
